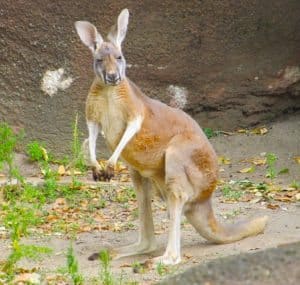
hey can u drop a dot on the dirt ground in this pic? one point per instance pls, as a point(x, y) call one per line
point(282, 138)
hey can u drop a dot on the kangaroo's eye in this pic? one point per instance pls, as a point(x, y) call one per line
point(119, 57)
point(99, 60)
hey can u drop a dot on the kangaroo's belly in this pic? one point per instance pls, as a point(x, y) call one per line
point(145, 152)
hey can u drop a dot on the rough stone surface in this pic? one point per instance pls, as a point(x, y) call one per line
point(269, 267)
point(238, 61)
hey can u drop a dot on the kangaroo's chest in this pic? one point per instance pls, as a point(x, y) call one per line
point(108, 113)
point(113, 125)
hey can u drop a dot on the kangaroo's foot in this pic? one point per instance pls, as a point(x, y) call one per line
point(134, 249)
point(167, 259)
point(129, 250)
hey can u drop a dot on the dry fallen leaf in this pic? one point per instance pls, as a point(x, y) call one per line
point(247, 170)
point(148, 264)
point(121, 167)
point(124, 265)
point(242, 131)
point(255, 160)
point(273, 206)
point(246, 197)
point(117, 227)
point(98, 218)
point(45, 154)
point(283, 199)
point(224, 160)
point(85, 228)
point(286, 195)
point(60, 202)
point(25, 278)
point(255, 200)
point(61, 170)
point(259, 131)
point(187, 256)
point(73, 172)
point(259, 161)
point(105, 227)
point(51, 218)
point(297, 159)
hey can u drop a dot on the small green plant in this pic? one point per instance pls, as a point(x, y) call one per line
point(20, 251)
point(72, 266)
point(72, 194)
point(47, 171)
point(295, 184)
point(36, 151)
point(125, 194)
point(33, 194)
point(134, 213)
point(231, 193)
point(28, 193)
point(50, 188)
point(162, 269)
point(263, 187)
point(8, 143)
point(244, 184)
point(101, 204)
point(210, 132)
point(271, 162)
point(77, 155)
point(137, 267)
point(106, 275)
point(19, 218)
point(283, 171)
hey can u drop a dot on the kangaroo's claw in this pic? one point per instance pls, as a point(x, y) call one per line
point(109, 172)
point(103, 175)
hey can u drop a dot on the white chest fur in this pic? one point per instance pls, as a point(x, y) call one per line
point(113, 122)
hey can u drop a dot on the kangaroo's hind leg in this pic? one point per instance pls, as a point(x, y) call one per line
point(146, 240)
point(175, 203)
point(178, 191)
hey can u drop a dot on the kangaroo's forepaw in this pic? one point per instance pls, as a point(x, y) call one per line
point(109, 171)
point(103, 175)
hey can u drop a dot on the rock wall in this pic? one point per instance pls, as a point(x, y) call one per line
point(235, 63)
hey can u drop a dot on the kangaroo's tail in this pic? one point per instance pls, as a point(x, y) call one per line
point(202, 217)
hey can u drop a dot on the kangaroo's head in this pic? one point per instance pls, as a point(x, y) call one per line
point(109, 62)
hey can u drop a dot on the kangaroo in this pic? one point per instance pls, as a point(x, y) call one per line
point(164, 148)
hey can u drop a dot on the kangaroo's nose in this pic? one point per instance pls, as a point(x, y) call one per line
point(112, 77)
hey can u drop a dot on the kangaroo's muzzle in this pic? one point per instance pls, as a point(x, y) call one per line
point(112, 78)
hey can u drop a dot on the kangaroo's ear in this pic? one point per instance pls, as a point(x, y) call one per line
point(118, 32)
point(88, 34)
